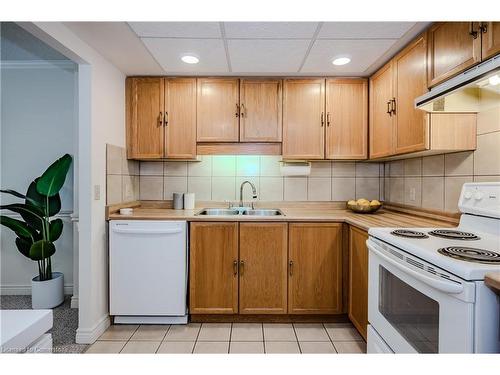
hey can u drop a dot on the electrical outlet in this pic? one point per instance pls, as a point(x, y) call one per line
point(413, 194)
point(97, 192)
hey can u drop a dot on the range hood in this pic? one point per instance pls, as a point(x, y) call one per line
point(472, 91)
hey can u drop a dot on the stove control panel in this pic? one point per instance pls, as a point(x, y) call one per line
point(480, 198)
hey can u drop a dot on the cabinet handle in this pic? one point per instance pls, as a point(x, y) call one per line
point(393, 105)
point(389, 110)
point(472, 32)
point(237, 110)
point(483, 27)
point(166, 118)
point(242, 267)
point(322, 119)
point(235, 267)
point(290, 266)
point(328, 119)
point(243, 112)
point(160, 119)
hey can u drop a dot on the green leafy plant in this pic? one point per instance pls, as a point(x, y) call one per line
point(37, 231)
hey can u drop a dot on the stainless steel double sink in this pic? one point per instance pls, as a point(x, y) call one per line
point(240, 211)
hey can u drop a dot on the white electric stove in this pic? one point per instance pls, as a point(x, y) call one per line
point(426, 285)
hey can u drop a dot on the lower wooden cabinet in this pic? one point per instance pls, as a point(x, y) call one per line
point(315, 268)
point(213, 268)
point(263, 268)
point(358, 279)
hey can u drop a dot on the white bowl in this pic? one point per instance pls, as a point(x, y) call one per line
point(126, 211)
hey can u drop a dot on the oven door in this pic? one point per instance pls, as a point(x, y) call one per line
point(414, 309)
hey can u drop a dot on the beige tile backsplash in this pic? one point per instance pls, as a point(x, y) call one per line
point(437, 180)
point(218, 178)
point(122, 176)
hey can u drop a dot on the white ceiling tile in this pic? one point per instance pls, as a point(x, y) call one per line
point(168, 53)
point(270, 30)
point(364, 30)
point(266, 56)
point(363, 53)
point(177, 29)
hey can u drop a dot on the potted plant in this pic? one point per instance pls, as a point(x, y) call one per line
point(37, 231)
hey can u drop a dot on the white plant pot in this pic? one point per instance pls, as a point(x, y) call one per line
point(49, 293)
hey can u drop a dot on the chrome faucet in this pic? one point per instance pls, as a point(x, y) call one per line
point(254, 192)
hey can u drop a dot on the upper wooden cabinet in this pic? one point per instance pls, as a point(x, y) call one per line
point(396, 125)
point(260, 110)
point(180, 118)
point(346, 119)
point(213, 268)
point(145, 107)
point(263, 268)
point(358, 279)
point(218, 110)
point(304, 119)
point(490, 39)
point(455, 46)
point(161, 118)
point(315, 268)
point(410, 70)
point(381, 122)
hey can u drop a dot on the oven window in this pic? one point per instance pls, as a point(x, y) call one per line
point(414, 315)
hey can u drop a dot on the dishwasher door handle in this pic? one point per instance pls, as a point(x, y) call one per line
point(147, 231)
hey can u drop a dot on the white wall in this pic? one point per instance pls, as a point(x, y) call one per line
point(37, 127)
point(102, 94)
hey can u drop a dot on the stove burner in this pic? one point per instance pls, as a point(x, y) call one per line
point(453, 234)
point(409, 233)
point(470, 254)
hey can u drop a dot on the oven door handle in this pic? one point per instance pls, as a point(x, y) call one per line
point(444, 286)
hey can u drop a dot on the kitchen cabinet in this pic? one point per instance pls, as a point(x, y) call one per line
point(263, 268)
point(180, 118)
point(260, 110)
point(218, 110)
point(315, 268)
point(145, 106)
point(490, 39)
point(213, 271)
point(452, 48)
point(410, 70)
point(161, 118)
point(358, 279)
point(304, 119)
point(346, 119)
point(381, 123)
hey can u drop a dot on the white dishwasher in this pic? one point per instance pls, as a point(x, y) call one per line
point(148, 271)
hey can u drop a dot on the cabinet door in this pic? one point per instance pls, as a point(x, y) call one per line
point(358, 279)
point(218, 110)
point(263, 268)
point(453, 47)
point(315, 268)
point(213, 273)
point(381, 120)
point(145, 111)
point(304, 119)
point(346, 119)
point(491, 39)
point(180, 118)
point(260, 119)
point(410, 81)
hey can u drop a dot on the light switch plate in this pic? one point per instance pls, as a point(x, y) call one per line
point(97, 192)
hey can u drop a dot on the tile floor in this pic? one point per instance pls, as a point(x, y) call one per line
point(231, 338)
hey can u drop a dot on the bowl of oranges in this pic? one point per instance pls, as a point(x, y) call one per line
point(364, 206)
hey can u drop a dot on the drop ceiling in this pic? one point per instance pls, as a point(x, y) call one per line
point(247, 48)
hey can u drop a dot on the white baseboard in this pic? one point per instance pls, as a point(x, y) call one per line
point(74, 302)
point(90, 335)
point(10, 290)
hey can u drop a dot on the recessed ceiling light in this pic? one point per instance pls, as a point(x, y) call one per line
point(190, 59)
point(341, 61)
